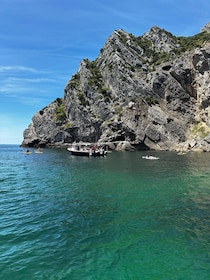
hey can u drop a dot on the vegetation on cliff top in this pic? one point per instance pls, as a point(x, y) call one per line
point(192, 42)
point(158, 57)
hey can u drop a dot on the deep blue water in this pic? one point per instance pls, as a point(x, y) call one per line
point(119, 217)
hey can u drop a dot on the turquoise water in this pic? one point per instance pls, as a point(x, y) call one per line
point(119, 217)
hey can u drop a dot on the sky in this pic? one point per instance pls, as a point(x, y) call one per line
point(42, 43)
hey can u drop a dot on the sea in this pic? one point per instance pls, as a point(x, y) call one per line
point(116, 217)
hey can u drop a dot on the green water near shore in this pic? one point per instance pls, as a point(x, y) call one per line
point(119, 217)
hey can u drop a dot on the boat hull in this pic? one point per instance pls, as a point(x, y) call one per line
point(87, 153)
point(80, 153)
point(150, 157)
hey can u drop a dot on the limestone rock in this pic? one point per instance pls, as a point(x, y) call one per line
point(206, 28)
point(145, 92)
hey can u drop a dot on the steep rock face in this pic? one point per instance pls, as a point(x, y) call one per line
point(150, 91)
point(161, 40)
point(45, 128)
point(206, 28)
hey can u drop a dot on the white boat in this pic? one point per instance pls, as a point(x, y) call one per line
point(181, 153)
point(81, 149)
point(150, 157)
point(39, 151)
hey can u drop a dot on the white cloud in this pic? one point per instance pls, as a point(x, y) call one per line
point(16, 68)
point(30, 86)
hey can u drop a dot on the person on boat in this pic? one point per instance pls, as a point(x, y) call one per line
point(102, 151)
point(27, 151)
point(93, 150)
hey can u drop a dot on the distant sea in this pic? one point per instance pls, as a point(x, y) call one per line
point(118, 217)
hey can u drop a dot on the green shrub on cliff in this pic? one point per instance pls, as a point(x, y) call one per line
point(199, 130)
point(192, 42)
point(75, 81)
point(59, 114)
point(83, 101)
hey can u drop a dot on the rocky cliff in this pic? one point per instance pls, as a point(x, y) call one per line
point(146, 92)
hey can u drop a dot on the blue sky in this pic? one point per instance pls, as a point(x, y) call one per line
point(43, 41)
